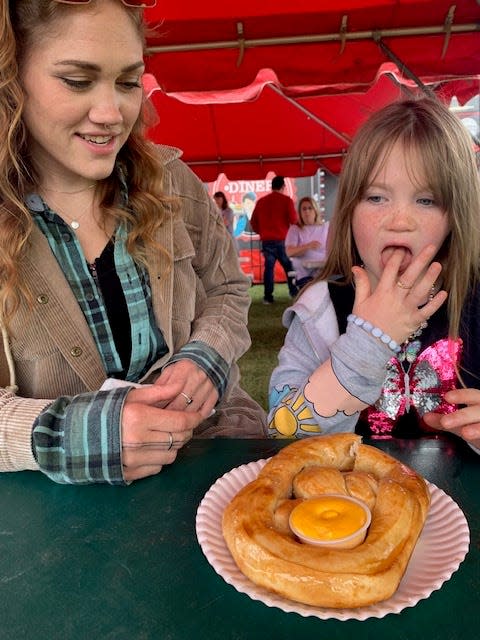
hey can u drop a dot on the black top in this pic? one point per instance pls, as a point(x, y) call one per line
point(106, 277)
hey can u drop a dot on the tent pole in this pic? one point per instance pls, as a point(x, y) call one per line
point(262, 160)
point(243, 43)
point(403, 68)
point(223, 163)
point(310, 115)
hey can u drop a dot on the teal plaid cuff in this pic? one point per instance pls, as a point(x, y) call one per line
point(207, 359)
point(77, 440)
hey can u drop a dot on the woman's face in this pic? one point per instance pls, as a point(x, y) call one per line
point(82, 82)
point(396, 211)
point(307, 212)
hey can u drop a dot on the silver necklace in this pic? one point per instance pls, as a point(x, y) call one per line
point(74, 223)
point(70, 193)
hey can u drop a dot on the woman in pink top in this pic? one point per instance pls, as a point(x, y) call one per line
point(306, 241)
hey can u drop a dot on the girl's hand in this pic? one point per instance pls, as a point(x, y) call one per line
point(394, 304)
point(465, 421)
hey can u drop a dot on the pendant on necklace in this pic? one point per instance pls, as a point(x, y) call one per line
point(74, 224)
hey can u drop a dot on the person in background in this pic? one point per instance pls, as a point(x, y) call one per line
point(271, 219)
point(225, 210)
point(386, 340)
point(123, 310)
point(306, 241)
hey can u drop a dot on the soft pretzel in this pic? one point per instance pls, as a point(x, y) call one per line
point(255, 522)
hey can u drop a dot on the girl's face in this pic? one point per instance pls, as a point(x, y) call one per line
point(307, 213)
point(396, 212)
point(82, 81)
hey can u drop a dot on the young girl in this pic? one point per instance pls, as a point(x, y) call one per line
point(306, 241)
point(387, 339)
point(114, 263)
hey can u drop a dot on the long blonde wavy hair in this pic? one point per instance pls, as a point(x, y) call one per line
point(427, 126)
point(20, 25)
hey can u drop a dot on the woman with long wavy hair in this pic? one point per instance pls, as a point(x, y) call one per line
point(122, 307)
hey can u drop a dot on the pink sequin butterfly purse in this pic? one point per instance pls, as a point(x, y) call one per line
point(421, 385)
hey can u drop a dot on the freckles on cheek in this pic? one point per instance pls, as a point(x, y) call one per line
point(360, 235)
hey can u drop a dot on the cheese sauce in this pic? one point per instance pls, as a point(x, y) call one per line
point(328, 518)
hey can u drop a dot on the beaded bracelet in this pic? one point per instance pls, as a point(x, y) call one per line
point(375, 331)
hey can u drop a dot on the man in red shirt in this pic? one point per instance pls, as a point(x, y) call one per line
point(271, 219)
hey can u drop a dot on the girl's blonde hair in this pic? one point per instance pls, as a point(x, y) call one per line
point(316, 208)
point(425, 126)
point(147, 207)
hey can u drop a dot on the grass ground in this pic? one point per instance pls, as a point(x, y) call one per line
point(267, 333)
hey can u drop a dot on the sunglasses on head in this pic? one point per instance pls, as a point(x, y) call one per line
point(139, 4)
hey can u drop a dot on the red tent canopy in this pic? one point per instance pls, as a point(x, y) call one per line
point(201, 46)
point(281, 85)
point(263, 127)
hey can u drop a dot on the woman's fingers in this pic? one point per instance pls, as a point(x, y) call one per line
point(196, 392)
point(138, 471)
point(151, 437)
point(154, 395)
point(202, 399)
point(143, 424)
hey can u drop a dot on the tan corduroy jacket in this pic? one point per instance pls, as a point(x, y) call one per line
point(203, 297)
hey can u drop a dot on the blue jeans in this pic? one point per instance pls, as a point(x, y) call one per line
point(274, 250)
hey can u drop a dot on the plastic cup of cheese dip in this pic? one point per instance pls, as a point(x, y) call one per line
point(331, 520)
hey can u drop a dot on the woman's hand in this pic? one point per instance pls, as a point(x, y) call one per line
point(151, 433)
point(299, 249)
point(196, 392)
point(394, 305)
point(465, 421)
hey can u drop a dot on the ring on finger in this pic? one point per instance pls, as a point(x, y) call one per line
point(188, 400)
point(402, 285)
point(170, 444)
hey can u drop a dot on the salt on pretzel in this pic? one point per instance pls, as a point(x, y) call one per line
point(255, 523)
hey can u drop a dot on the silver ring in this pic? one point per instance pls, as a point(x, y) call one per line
point(402, 285)
point(170, 445)
point(188, 400)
